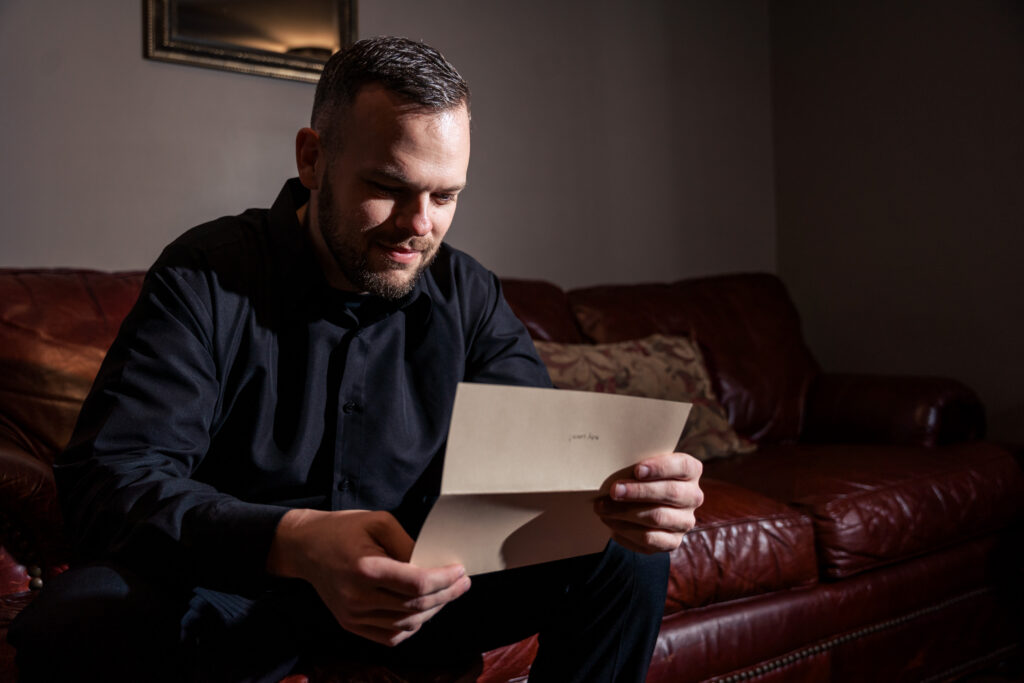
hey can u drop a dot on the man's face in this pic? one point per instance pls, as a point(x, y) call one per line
point(387, 196)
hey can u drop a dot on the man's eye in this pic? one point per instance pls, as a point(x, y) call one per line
point(383, 189)
point(444, 198)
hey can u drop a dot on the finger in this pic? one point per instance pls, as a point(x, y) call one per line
point(649, 516)
point(404, 605)
point(392, 621)
point(413, 622)
point(383, 608)
point(644, 540)
point(392, 537)
point(382, 604)
point(404, 618)
point(409, 581)
point(669, 466)
point(628, 544)
point(440, 598)
point(662, 492)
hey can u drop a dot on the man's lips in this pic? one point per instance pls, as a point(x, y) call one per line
point(399, 253)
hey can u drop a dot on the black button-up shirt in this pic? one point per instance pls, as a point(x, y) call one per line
point(241, 385)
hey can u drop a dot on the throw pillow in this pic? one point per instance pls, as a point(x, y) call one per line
point(659, 366)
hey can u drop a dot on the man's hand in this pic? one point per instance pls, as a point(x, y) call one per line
point(357, 561)
point(651, 512)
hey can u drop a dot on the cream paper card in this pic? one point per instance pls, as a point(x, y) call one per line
point(524, 465)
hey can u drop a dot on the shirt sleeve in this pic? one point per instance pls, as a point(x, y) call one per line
point(126, 481)
point(501, 350)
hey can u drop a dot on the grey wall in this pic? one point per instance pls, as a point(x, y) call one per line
point(105, 157)
point(900, 170)
point(611, 142)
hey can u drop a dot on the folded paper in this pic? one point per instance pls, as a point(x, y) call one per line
point(522, 469)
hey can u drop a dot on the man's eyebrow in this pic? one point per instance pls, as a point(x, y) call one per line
point(395, 175)
point(391, 173)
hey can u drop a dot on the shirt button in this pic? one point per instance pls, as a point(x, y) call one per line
point(351, 407)
point(344, 484)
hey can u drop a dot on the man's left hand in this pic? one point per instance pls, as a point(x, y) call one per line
point(652, 511)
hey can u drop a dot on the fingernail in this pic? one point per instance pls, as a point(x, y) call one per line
point(642, 471)
point(619, 491)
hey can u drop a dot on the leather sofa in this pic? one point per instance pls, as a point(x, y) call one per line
point(873, 534)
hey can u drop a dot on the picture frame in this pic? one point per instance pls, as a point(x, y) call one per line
point(290, 40)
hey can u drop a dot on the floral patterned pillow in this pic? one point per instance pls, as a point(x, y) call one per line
point(659, 366)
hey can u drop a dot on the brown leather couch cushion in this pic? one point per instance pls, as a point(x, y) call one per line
point(744, 544)
point(875, 505)
point(747, 325)
point(58, 326)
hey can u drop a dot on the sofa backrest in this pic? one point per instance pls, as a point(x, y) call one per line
point(544, 308)
point(747, 326)
point(55, 327)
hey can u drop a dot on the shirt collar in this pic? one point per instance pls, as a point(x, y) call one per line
point(302, 269)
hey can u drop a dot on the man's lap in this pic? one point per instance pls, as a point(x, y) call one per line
point(122, 620)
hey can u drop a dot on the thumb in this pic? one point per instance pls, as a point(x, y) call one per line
point(393, 539)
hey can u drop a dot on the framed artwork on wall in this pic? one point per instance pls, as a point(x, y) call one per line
point(264, 37)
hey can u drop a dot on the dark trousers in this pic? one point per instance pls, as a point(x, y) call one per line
point(598, 617)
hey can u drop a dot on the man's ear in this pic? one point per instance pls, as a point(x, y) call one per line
point(308, 158)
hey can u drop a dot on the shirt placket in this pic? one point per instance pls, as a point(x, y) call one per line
point(351, 425)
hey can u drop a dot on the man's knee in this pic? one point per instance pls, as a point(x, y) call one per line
point(96, 617)
point(651, 576)
point(633, 577)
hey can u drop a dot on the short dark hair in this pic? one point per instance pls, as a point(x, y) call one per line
point(413, 70)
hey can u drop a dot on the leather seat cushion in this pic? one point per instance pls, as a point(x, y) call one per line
point(874, 505)
point(744, 544)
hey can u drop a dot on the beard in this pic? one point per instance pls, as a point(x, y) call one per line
point(352, 255)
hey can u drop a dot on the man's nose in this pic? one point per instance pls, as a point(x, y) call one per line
point(415, 215)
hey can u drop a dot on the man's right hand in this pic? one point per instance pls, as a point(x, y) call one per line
point(358, 562)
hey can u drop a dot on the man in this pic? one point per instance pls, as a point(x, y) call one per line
point(265, 437)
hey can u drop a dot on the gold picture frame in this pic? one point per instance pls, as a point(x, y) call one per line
point(289, 40)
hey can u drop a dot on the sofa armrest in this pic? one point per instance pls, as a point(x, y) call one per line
point(926, 411)
point(30, 521)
